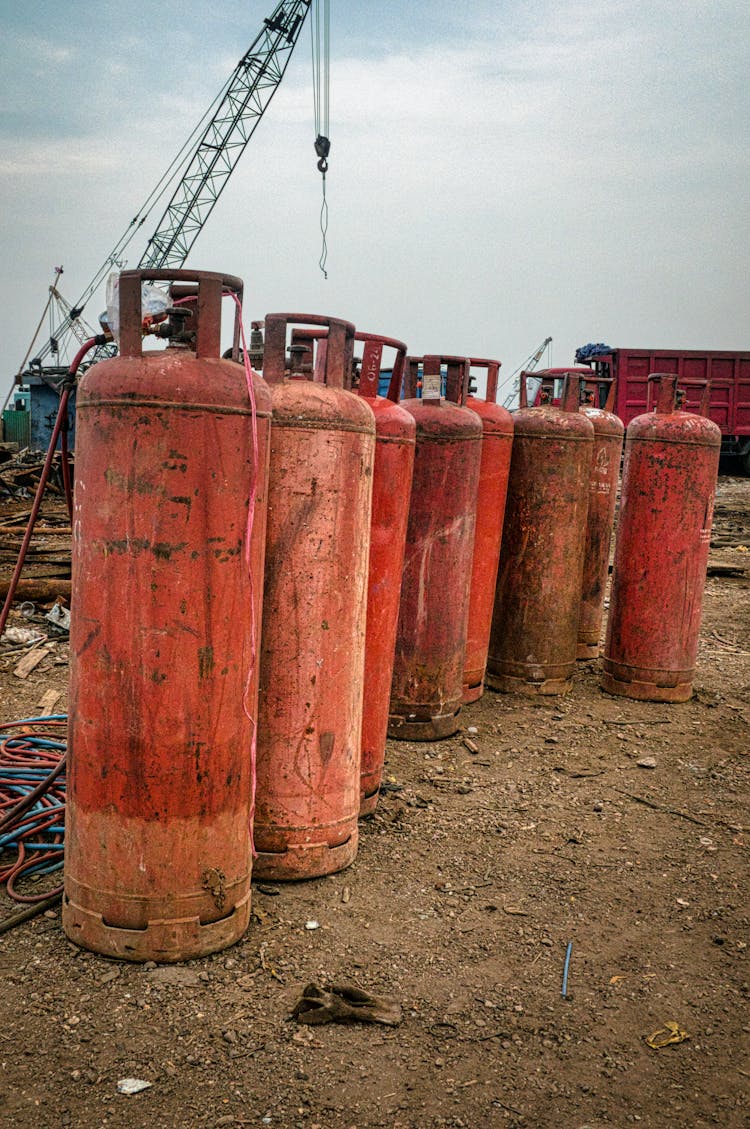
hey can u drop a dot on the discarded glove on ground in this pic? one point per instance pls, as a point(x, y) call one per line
point(340, 1003)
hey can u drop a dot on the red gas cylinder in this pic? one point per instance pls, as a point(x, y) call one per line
point(605, 471)
point(661, 552)
point(312, 653)
point(427, 686)
point(497, 441)
point(163, 686)
point(395, 432)
point(537, 602)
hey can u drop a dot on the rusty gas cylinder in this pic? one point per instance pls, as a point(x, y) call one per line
point(661, 551)
point(537, 602)
point(497, 441)
point(395, 432)
point(427, 687)
point(391, 486)
point(605, 472)
point(312, 651)
point(163, 687)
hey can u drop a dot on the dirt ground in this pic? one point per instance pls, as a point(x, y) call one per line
point(476, 873)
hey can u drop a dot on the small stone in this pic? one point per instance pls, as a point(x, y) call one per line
point(646, 762)
point(472, 729)
point(471, 745)
point(598, 806)
point(132, 1085)
point(312, 925)
point(229, 1036)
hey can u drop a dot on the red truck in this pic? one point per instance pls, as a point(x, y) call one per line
point(728, 373)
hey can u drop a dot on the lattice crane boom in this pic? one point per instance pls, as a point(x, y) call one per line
point(248, 92)
point(239, 108)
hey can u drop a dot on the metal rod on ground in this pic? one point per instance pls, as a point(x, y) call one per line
point(30, 911)
point(566, 966)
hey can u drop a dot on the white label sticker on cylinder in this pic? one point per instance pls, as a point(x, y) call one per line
point(431, 386)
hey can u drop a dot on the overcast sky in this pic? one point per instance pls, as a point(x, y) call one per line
point(499, 171)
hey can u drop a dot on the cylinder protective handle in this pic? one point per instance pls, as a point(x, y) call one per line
point(372, 356)
point(211, 286)
point(411, 377)
point(339, 348)
point(493, 368)
point(668, 386)
point(523, 392)
point(597, 380)
point(570, 398)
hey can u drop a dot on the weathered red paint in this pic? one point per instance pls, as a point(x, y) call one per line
point(605, 472)
point(431, 639)
point(537, 602)
point(395, 432)
point(312, 653)
point(661, 553)
point(497, 442)
point(157, 852)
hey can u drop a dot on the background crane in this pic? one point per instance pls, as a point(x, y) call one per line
point(528, 365)
point(201, 170)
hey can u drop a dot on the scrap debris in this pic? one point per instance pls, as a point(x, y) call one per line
point(341, 1003)
point(670, 1033)
point(19, 476)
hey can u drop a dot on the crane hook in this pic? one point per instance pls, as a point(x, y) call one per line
point(322, 148)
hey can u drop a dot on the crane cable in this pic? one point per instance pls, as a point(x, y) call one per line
point(321, 66)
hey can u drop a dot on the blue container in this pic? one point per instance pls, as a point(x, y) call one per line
point(44, 406)
point(384, 381)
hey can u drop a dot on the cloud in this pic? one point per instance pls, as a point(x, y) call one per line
point(568, 167)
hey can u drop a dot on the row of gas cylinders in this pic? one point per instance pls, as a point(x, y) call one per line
point(272, 573)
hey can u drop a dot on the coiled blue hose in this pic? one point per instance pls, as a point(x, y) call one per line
point(32, 800)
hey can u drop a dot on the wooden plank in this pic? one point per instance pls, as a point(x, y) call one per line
point(48, 701)
point(30, 661)
point(38, 589)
